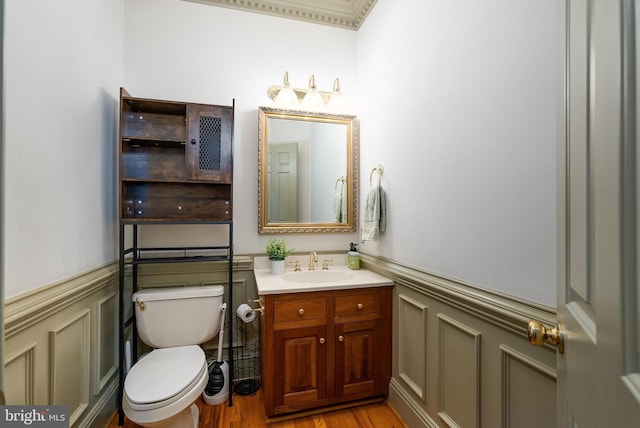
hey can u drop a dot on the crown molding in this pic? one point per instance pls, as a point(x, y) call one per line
point(349, 14)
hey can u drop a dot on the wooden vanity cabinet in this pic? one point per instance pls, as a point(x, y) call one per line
point(325, 348)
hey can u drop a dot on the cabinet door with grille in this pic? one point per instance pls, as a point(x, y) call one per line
point(209, 152)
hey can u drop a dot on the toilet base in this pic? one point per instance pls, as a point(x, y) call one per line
point(188, 418)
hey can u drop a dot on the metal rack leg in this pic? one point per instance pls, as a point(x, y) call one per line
point(121, 328)
point(231, 311)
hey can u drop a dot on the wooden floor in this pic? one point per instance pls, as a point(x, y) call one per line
point(248, 412)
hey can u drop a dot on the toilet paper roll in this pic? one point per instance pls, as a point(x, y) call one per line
point(245, 313)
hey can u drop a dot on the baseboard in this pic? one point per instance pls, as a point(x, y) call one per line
point(410, 412)
point(102, 411)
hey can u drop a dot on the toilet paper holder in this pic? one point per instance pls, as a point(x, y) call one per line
point(258, 301)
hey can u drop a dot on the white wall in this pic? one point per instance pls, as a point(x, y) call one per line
point(62, 69)
point(457, 100)
point(193, 52)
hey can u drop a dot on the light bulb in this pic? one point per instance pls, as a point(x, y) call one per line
point(337, 101)
point(313, 98)
point(287, 96)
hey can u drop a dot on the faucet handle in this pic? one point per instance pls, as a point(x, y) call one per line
point(296, 263)
point(325, 264)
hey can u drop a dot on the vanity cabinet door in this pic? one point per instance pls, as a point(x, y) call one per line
point(301, 368)
point(295, 352)
point(362, 332)
point(358, 361)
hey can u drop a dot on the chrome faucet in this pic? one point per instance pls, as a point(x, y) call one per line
point(313, 258)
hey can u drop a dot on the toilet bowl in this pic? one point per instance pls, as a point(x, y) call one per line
point(163, 385)
point(161, 388)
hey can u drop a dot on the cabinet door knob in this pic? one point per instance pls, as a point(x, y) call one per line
point(193, 141)
point(360, 306)
point(301, 312)
point(341, 338)
point(322, 340)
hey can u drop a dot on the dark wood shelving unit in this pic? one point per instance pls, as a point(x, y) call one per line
point(176, 167)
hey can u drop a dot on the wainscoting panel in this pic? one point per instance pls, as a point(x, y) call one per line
point(526, 381)
point(412, 340)
point(459, 367)
point(106, 355)
point(59, 346)
point(69, 359)
point(19, 373)
point(480, 370)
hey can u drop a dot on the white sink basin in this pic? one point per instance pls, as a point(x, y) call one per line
point(317, 276)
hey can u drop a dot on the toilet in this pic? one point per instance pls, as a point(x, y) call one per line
point(161, 388)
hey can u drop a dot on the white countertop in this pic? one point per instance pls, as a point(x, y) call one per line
point(268, 283)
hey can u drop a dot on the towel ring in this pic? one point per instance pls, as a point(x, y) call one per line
point(380, 170)
point(342, 180)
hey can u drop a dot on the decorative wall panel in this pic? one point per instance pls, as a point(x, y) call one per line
point(106, 354)
point(412, 341)
point(69, 348)
point(526, 381)
point(19, 375)
point(459, 363)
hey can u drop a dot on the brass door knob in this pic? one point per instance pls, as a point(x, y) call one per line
point(539, 335)
point(301, 312)
point(341, 338)
point(360, 306)
point(322, 340)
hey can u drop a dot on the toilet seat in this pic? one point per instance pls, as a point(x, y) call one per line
point(164, 376)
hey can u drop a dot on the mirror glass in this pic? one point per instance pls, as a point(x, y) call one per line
point(307, 171)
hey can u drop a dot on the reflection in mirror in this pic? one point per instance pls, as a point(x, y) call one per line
point(307, 171)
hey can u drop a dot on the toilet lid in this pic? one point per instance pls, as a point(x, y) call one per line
point(164, 373)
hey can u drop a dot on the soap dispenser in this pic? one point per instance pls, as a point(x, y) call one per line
point(353, 257)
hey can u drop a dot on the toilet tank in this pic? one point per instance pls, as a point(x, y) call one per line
point(168, 317)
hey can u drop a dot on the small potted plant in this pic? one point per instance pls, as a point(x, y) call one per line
point(277, 252)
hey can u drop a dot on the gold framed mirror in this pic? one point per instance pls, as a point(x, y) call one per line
point(307, 171)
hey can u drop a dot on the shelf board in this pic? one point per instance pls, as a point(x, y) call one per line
point(153, 142)
point(164, 181)
point(155, 106)
point(162, 221)
point(217, 253)
point(182, 259)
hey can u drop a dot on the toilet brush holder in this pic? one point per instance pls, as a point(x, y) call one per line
point(217, 390)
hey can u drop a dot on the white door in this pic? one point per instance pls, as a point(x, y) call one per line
point(598, 294)
point(282, 171)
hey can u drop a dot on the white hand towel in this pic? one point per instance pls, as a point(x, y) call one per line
point(375, 214)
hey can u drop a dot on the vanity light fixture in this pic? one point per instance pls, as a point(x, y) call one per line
point(308, 99)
